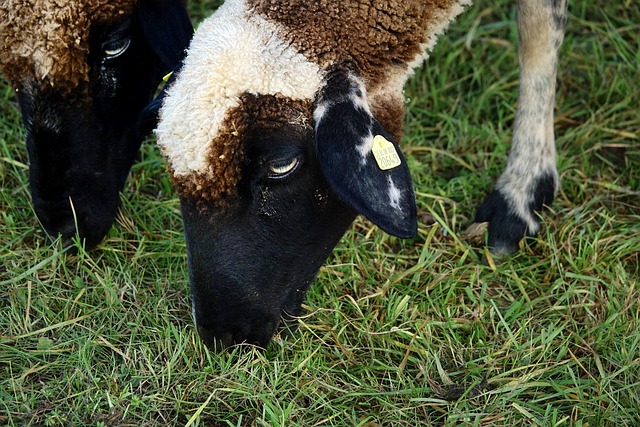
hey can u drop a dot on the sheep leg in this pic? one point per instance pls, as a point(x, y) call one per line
point(530, 179)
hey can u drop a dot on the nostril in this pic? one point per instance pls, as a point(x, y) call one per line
point(216, 343)
point(58, 223)
point(222, 335)
point(57, 220)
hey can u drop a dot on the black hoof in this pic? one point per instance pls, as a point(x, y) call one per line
point(506, 228)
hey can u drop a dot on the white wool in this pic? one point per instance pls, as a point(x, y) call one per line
point(231, 53)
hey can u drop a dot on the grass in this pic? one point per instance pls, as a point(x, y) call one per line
point(395, 333)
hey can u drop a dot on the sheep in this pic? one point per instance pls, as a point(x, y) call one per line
point(283, 125)
point(82, 71)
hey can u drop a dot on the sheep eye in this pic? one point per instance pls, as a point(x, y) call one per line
point(281, 169)
point(116, 48)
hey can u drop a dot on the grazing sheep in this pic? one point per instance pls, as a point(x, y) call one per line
point(283, 124)
point(83, 70)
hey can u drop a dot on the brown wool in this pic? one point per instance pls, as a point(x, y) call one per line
point(48, 40)
point(226, 158)
point(378, 38)
point(390, 112)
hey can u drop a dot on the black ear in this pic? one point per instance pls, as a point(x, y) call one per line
point(359, 159)
point(148, 117)
point(166, 28)
point(168, 31)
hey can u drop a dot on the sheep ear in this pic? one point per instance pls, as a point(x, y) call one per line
point(359, 159)
point(168, 31)
point(148, 117)
point(166, 28)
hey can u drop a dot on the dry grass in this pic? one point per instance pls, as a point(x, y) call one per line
point(396, 333)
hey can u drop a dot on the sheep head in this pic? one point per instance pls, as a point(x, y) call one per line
point(82, 72)
point(280, 128)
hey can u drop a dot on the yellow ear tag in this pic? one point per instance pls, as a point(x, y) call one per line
point(385, 153)
point(166, 77)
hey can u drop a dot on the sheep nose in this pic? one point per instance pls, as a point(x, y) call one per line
point(58, 218)
point(215, 343)
point(221, 335)
point(55, 215)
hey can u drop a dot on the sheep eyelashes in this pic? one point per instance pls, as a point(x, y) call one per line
point(83, 71)
point(272, 127)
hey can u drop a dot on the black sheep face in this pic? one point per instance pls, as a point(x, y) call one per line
point(82, 141)
point(273, 156)
point(252, 257)
point(82, 144)
point(293, 181)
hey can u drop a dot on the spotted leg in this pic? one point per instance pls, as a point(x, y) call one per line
point(530, 179)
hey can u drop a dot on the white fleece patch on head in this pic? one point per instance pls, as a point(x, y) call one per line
point(232, 52)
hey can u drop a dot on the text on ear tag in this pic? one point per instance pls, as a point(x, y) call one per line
point(385, 153)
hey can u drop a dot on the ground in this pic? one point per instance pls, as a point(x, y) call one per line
point(428, 331)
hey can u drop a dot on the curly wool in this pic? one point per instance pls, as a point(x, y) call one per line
point(374, 35)
point(48, 40)
point(284, 48)
point(385, 40)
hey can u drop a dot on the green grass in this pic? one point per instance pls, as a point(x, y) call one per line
point(395, 333)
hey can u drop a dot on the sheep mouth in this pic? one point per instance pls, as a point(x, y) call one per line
point(73, 217)
point(257, 334)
